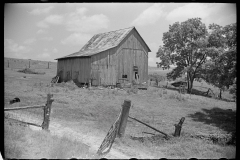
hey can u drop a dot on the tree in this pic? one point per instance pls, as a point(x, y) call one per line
point(220, 70)
point(164, 56)
point(186, 46)
point(210, 55)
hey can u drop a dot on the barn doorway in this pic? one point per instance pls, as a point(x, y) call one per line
point(135, 73)
point(136, 77)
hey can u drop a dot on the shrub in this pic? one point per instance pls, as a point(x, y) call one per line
point(157, 78)
point(30, 71)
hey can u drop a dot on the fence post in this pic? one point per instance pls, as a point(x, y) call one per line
point(178, 127)
point(124, 117)
point(89, 84)
point(47, 112)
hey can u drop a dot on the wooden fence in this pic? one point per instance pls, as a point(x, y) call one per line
point(46, 112)
point(119, 126)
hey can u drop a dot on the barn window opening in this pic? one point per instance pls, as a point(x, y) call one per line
point(124, 76)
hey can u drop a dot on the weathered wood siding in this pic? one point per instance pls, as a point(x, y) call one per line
point(132, 52)
point(109, 66)
point(103, 68)
point(74, 68)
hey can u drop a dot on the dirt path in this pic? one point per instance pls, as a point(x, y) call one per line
point(91, 139)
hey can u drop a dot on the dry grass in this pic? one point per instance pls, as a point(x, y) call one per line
point(94, 111)
point(22, 142)
point(13, 140)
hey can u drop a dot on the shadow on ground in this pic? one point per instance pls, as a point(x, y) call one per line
point(224, 119)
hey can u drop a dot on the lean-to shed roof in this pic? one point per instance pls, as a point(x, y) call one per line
point(102, 42)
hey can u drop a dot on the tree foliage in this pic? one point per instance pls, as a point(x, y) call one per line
point(199, 52)
point(220, 71)
point(185, 45)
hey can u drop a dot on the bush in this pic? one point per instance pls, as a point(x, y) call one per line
point(30, 71)
point(233, 90)
point(157, 78)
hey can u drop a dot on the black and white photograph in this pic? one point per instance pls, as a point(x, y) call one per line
point(120, 80)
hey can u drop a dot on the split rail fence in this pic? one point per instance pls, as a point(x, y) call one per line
point(46, 112)
point(119, 126)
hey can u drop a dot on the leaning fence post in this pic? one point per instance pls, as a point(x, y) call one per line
point(124, 117)
point(178, 127)
point(47, 112)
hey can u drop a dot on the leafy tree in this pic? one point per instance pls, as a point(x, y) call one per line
point(186, 46)
point(199, 53)
point(164, 56)
point(221, 69)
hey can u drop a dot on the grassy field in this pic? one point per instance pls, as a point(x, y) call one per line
point(85, 116)
point(23, 143)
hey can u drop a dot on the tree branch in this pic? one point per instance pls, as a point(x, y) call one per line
point(199, 64)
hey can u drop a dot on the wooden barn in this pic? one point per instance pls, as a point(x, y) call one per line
point(109, 58)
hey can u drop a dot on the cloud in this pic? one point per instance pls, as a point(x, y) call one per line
point(42, 24)
point(14, 50)
point(29, 41)
point(149, 16)
point(193, 10)
point(54, 50)
point(78, 21)
point(39, 11)
point(76, 39)
point(11, 46)
point(44, 55)
point(47, 38)
point(52, 19)
point(41, 31)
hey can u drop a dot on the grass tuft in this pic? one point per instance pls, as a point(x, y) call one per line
point(177, 96)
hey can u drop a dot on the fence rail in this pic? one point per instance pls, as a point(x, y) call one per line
point(25, 107)
point(46, 114)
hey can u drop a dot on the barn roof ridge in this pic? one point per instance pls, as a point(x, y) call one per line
point(102, 41)
point(116, 30)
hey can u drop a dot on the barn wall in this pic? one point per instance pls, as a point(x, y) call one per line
point(132, 52)
point(74, 68)
point(109, 66)
point(103, 68)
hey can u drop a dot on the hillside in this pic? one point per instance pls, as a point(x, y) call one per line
point(85, 116)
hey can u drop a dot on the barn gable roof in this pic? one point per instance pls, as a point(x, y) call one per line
point(102, 42)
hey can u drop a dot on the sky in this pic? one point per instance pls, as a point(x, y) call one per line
point(46, 31)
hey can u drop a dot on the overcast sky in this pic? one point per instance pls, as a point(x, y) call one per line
point(52, 30)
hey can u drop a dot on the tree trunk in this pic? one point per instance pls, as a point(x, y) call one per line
point(220, 94)
point(190, 82)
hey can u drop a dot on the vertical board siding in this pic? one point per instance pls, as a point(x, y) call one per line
point(133, 52)
point(78, 69)
point(103, 68)
point(107, 67)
